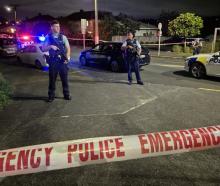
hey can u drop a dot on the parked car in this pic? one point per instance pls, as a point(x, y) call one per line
point(110, 55)
point(8, 47)
point(33, 55)
point(203, 64)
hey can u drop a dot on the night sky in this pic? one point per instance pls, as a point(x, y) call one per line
point(137, 8)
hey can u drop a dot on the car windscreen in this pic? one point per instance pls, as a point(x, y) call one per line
point(98, 47)
point(108, 48)
point(41, 48)
point(113, 47)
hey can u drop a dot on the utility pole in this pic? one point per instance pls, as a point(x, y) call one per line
point(215, 38)
point(96, 23)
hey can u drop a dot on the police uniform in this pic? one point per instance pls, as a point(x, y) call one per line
point(56, 64)
point(197, 46)
point(131, 58)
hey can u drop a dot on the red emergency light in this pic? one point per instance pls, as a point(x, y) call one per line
point(25, 37)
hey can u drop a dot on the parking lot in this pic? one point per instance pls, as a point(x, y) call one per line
point(104, 104)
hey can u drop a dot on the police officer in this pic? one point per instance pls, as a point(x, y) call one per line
point(197, 46)
point(132, 50)
point(59, 55)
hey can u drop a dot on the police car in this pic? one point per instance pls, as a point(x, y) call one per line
point(110, 55)
point(203, 64)
point(33, 55)
point(8, 47)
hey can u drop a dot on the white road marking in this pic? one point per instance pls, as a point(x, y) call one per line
point(143, 102)
point(164, 65)
point(75, 72)
point(65, 116)
point(207, 89)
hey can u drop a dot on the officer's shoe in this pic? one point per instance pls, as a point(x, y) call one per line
point(140, 83)
point(129, 82)
point(50, 99)
point(68, 98)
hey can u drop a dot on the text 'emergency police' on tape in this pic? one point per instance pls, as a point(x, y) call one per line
point(107, 149)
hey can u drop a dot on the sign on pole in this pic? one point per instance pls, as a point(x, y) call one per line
point(160, 26)
point(84, 24)
point(160, 34)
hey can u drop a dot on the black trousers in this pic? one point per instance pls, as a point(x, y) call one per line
point(133, 65)
point(55, 69)
point(197, 50)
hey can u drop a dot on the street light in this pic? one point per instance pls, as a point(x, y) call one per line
point(10, 8)
point(96, 23)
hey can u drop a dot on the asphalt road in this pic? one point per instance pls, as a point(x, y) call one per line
point(104, 105)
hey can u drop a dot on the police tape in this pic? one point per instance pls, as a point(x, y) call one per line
point(79, 39)
point(28, 37)
point(166, 44)
point(62, 155)
point(146, 44)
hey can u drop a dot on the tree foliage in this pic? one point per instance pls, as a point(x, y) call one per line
point(108, 27)
point(186, 25)
point(120, 25)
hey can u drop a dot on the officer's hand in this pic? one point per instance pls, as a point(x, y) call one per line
point(54, 47)
point(130, 47)
point(66, 62)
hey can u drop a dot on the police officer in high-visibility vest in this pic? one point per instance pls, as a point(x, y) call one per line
point(59, 55)
point(132, 50)
point(197, 46)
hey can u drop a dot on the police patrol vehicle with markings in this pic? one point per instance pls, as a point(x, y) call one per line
point(34, 55)
point(203, 64)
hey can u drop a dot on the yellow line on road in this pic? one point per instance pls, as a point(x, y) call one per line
point(212, 90)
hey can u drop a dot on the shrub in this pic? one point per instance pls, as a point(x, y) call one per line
point(4, 99)
point(177, 48)
point(188, 50)
point(207, 47)
point(5, 92)
point(217, 47)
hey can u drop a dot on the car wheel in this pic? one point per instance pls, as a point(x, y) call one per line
point(197, 70)
point(115, 66)
point(38, 64)
point(83, 61)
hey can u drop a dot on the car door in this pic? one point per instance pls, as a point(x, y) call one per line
point(95, 55)
point(24, 55)
point(213, 66)
point(108, 52)
point(33, 54)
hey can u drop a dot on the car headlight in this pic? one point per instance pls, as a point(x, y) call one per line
point(187, 60)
